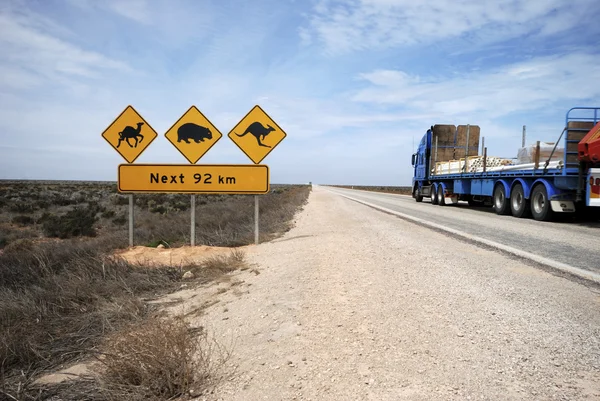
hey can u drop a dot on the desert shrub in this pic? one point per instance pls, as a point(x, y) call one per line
point(108, 214)
point(160, 359)
point(120, 220)
point(76, 222)
point(9, 235)
point(121, 200)
point(45, 216)
point(42, 204)
point(160, 209)
point(23, 220)
point(60, 200)
point(181, 206)
point(22, 207)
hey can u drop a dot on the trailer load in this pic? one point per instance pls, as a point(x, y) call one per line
point(543, 179)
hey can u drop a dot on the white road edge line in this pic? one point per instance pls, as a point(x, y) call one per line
point(582, 273)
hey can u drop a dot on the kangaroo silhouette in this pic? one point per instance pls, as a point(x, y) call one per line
point(259, 131)
point(130, 132)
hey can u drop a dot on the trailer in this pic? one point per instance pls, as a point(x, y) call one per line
point(545, 178)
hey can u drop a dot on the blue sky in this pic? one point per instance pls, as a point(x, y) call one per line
point(353, 83)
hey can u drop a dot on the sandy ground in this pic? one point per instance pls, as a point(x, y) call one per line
point(356, 304)
point(169, 256)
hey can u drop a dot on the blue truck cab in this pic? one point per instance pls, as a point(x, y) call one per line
point(421, 162)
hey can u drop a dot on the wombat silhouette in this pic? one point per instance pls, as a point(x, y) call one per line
point(130, 132)
point(259, 131)
point(193, 131)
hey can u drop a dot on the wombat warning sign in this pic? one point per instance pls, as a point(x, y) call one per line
point(193, 135)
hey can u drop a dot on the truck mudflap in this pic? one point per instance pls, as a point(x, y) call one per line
point(562, 203)
point(593, 188)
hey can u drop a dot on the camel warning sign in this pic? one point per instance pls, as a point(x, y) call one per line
point(193, 135)
point(257, 134)
point(129, 134)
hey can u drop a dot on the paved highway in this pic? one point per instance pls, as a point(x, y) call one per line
point(575, 244)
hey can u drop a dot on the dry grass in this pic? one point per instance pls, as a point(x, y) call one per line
point(59, 299)
point(160, 359)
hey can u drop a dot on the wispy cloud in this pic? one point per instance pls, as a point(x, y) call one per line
point(497, 92)
point(347, 26)
point(32, 50)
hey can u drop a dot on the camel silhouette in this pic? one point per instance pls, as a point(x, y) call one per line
point(259, 131)
point(130, 132)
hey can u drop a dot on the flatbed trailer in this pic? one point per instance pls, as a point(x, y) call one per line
point(538, 189)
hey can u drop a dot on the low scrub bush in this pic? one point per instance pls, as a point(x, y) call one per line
point(22, 207)
point(9, 235)
point(120, 220)
point(76, 222)
point(23, 220)
point(108, 214)
point(159, 359)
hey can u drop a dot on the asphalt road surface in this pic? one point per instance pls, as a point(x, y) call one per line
point(573, 243)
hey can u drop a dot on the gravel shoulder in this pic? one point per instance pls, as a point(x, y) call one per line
point(356, 304)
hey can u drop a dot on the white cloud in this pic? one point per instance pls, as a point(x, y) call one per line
point(137, 10)
point(373, 24)
point(528, 85)
point(27, 49)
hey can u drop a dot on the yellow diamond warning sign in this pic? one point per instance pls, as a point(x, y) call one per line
point(129, 134)
point(193, 135)
point(257, 134)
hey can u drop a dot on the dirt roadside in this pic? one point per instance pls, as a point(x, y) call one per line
point(356, 304)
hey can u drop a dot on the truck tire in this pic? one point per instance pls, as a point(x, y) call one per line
point(417, 194)
point(519, 206)
point(433, 195)
point(540, 204)
point(500, 203)
point(440, 196)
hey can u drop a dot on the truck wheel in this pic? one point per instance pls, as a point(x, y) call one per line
point(519, 206)
point(417, 194)
point(500, 204)
point(540, 204)
point(434, 199)
point(440, 196)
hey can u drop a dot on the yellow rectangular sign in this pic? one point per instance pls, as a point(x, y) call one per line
point(194, 178)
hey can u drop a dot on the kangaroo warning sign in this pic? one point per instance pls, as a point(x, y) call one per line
point(129, 134)
point(257, 134)
point(193, 135)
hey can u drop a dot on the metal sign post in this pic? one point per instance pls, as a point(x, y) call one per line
point(256, 219)
point(130, 219)
point(193, 220)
